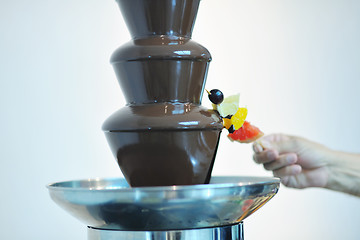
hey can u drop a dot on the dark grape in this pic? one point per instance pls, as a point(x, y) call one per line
point(216, 96)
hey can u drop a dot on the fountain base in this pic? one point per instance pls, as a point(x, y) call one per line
point(233, 232)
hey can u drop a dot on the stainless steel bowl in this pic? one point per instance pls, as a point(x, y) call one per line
point(112, 204)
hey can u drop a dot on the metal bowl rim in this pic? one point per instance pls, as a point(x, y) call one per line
point(261, 181)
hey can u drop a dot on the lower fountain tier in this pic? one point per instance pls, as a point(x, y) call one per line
point(164, 144)
point(165, 157)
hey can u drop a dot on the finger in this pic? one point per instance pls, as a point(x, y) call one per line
point(282, 143)
point(282, 161)
point(266, 156)
point(291, 170)
point(285, 180)
point(257, 147)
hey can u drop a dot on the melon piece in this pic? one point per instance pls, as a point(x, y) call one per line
point(229, 106)
point(246, 134)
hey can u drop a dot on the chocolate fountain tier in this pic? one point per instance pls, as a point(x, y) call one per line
point(163, 116)
point(111, 204)
point(161, 69)
point(165, 143)
point(159, 17)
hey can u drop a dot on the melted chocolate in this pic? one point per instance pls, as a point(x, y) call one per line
point(163, 136)
point(156, 158)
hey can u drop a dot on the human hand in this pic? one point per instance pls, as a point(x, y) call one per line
point(298, 162)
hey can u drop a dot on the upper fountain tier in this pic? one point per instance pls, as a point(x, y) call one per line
point(159, 17)
point(161, 63)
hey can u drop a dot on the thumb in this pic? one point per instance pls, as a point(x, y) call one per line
point(280, 142)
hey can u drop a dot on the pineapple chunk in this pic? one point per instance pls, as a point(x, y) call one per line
point(239, 117)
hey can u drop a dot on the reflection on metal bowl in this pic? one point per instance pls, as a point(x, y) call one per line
point(112, 204)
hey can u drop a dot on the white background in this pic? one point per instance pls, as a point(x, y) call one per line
point(296, 64)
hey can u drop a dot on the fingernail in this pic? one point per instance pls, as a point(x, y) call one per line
point(257, 148)
point(291, 158)
point(265, 144)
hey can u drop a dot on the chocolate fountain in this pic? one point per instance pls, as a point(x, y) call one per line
point(163, 136)
point(164, 141)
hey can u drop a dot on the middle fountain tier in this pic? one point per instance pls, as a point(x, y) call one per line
point(163, 136)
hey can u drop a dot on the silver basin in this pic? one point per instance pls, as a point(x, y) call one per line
point(112, 204)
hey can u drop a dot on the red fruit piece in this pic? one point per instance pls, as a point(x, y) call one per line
point(246, 134)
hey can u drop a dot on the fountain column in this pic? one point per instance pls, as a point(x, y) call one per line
point(163, 136)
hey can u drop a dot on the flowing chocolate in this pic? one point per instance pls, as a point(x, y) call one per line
point(163, 136)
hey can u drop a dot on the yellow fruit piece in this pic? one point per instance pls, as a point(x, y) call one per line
point(227, 123)
point(229, 106)
point(239, 117)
